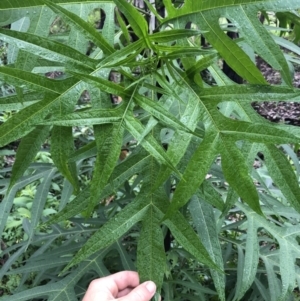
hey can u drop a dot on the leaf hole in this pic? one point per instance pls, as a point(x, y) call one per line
point(59, 26)
point(97, 18)
point(230, 109)
point(178, 3)
point(229, 27)
point(117, 78)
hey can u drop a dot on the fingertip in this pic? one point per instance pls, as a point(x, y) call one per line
point(143, 292)
point(151, 287)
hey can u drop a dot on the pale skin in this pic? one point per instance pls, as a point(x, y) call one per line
point(122, 286)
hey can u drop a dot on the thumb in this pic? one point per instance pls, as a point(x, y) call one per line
point(143, 292)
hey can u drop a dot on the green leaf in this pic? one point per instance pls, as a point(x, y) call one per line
point(236, 173)
point(249, 151)
point(204, 220)
point(15, 4)
point(63, 289)
point(190, 117)
point(124, 55)
point(12, 102)
point(87, 151)
point(124, 171)
point(160, 113)
point(208, 193)
point(73, 208)
point(112, 230)
point(27, 151)
point(286, 237)
point(123, 26)
point(48, 49)
point(151, 260)
point(152, 122)
point(261, 41)
point(125, 257)
point(273, 282)
point(186, 236)
point(173, 35)
point(246, 93)
point(191, 7)
point(7, 203)
point(109, 140)
point(194, 173)
point(31, 81)
point(87, 29)
point(66, 193)
point(87, 118)
point(282, 173)
point(286, 44)
point(280, 5)
point(189, 102)
point(287, 268)
point(173, 52)
point(105, 85)
point(247, 268)
point(149, 142)
point(22, 123)
point(39, 202)
point(151, 7)
point(233, 130)
point(135, 19)
point(236, 58)
point(202, 63)
point(62, 145)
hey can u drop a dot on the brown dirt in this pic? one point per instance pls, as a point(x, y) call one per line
point(286, 112)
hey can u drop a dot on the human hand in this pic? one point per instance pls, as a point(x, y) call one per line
point(123, 286)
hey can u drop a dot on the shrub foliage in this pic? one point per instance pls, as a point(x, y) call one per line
point(174, 150)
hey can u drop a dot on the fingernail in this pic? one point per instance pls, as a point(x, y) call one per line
point(151, 287)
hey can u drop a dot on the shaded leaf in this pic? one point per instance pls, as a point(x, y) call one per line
point(186, 236)
point(109, 143)
point(236, 58)
point(112, 230)
point(283, 174)
point(247, 267)
point(172, 35)
point(151, 260)
point(149, 142)
point(236, 173)
point(204, 220)
point(136, 20)
point(62, 145)
point(194, 173)
point(27, 151)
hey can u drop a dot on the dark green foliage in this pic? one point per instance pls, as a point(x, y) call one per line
point(175, 152)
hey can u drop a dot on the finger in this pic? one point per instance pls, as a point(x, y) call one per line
point(144, 292)
point(124, 292)
point(112, 284)
point(123, 280)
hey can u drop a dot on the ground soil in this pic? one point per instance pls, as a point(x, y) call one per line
point(286, 112)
